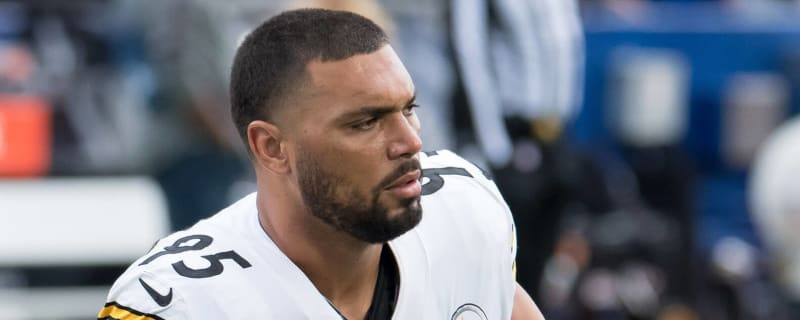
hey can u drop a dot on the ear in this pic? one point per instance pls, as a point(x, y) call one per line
point(267, 146)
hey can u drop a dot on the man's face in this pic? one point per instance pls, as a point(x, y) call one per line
point(355, 139)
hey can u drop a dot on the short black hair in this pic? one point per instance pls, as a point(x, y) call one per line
point(272, 59)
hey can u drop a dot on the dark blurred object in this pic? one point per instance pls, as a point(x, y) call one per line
point(544, 183)
point(648, 104)
point(730, 48)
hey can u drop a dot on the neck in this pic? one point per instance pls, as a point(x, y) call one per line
point(343, 269)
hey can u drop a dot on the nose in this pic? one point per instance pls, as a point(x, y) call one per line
point(405, 141)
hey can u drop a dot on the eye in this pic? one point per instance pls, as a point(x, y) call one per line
point(364, 125)
point(409, 110)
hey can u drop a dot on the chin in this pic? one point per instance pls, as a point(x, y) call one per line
point(391, 222)
point(404, 208)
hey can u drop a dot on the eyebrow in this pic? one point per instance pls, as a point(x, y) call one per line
point(374, 111)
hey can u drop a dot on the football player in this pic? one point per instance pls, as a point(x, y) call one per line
point(350, 219)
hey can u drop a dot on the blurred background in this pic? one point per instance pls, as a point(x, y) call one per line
point(649, 150)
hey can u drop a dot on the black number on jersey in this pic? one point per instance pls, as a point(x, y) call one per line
point(179, 246)
point(203, 241)
point(214, 269)
point(435, 180)
point(434, 175)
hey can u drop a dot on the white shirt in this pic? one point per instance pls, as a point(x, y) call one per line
point(457, 263)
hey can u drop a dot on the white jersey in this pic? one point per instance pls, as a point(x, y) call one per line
point(456, 264)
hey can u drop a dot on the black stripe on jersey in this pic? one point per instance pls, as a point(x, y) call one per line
point(127, 313)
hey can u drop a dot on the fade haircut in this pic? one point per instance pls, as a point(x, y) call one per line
point(271, 62)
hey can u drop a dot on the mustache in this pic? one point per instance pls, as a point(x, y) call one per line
point(404, 168)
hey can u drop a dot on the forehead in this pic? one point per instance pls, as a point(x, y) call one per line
point(374, 78)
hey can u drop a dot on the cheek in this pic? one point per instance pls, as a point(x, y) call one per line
point(414, 121)
point(355, 168)
point(354, 150)
point(356, 162)
point(362, 172)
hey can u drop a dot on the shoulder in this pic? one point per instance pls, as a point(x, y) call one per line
point(444, 158)
point(440, 163)
point(139, 294)
point(458, 195)
point(179, 267)
point(447, 176)
point(466, 237)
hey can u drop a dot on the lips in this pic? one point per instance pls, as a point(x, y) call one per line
point(407, 185)
point(405, 179)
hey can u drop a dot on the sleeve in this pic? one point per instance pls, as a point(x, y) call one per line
point(507, 226)
point(476, 219)
point(505, 219)
point(142, 296)
point(503, 226)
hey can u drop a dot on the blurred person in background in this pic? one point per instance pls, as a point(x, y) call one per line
point(196, 154)
point(774, 201)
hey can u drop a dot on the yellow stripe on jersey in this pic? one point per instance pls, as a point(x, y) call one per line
point(112, 310)
point(514, 252)
point(514, 269)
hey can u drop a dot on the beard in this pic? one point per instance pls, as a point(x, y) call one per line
point(335, 202)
